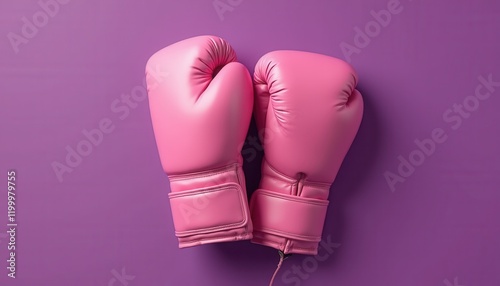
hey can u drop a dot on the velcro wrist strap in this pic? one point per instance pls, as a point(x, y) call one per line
point(208, 210)
point(288, 216)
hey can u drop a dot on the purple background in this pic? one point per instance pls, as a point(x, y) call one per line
point(111, 213)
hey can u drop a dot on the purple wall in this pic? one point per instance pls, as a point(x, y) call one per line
point(417, 198)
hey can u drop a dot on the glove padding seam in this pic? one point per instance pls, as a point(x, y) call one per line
point(203, 174)
point(276, 244)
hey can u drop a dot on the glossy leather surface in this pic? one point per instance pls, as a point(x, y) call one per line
point(309, 111)
point(200, 110)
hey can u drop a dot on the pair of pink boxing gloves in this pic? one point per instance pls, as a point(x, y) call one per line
point(308, 112)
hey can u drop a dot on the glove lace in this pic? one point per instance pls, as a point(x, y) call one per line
point(283, 256)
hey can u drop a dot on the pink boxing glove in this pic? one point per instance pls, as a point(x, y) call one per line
point(309, 111)
point(200, 113)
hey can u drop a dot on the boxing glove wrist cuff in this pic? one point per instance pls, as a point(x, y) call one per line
point(209, 207)
point(288, 216)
